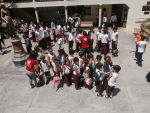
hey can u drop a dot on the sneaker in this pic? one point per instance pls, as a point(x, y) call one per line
point(111, 96)
point(140, 65)
point(106, 96)
point(32, 86)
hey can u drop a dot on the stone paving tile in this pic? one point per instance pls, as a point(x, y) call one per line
point(133, 95)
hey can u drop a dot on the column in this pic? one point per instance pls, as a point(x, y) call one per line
point(100, 12)
point(66, 13)
point(36, 15)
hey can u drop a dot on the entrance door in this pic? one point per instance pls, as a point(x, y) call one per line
point(118, 10)
point(121, 11)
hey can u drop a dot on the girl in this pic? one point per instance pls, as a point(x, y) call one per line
point(81, 62)
point(99, 78)
point(98, 40)
point(70, 56)
point(104, 40)
point(56, 81)
point(106, 68)
point(38, 52)
point(51, 55)
point(114, 42)
point(76, 72)
point(67, 72)
point(45, 68)
point(87, 78)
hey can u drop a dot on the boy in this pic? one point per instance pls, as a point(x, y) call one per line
point(113, 76)
point(115, 43)
point(141, 49)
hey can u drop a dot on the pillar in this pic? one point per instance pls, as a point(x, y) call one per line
point(100, 12)
point(66, 13)
point(36, 15)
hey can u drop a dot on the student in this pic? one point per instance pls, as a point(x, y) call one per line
point(113, 76)
point(87, 78)
point(51, 55)
point(98, 78)
point(56, 81)
point(91, 35)
point(70, 56)
point(28, 44)
point(98, 40)
point(107, 66)
point(104, 45)
point(115, 42)
point(70, 40)
point(39, 52)
point(141, 49)
point(45, 68)
point(60, 43)
point(67, 72)
point(81, 62)
point(113, 20)
point(76, 72)
point(78, 42)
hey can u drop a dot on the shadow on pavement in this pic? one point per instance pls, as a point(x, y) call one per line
point(148, 77)
point(116, 91)
point(7, 51)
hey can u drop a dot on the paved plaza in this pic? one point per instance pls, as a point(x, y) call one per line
point(132, 92)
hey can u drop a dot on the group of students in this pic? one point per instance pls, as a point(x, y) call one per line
point(82, 71)
point(75, 37)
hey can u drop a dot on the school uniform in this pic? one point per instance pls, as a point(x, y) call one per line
point(91, 34)
point(114, 39)
point(106, 68)
point(76, 75)
point(104, 44)
point(67, 74)
point(87, 80)
point(70, 39)
point(45, 69)
point(99, 44)
point(78, 42)
point(41, 35)
point(112, 83)
point(33, 34)
point(98, 80)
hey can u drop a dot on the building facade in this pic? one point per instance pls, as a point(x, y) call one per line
point(129, 12)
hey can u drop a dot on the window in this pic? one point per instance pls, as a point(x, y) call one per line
point(146, 8)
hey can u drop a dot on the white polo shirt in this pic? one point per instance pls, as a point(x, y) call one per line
point(141, 46)
point(113, 80)
point(114, 36)
point(104, 38)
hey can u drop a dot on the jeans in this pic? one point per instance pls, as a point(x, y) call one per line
point(85, 51)
point(136, 51)
point(32, 77)
point(91, 45)
point(139, 58)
